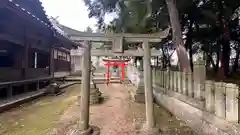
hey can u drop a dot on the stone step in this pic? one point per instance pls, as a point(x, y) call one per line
point(111, 81)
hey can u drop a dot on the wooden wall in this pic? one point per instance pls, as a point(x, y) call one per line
point(62, 61)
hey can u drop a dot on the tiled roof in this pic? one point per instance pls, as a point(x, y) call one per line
point(29, 13)
point(57, 27)
point(45, 20)
point(70, 31)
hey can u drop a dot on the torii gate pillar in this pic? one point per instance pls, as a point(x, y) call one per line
point(148, 85)
point(83, 125)
point(150, 126)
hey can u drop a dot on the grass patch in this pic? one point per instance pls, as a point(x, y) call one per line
point(38, 117)
point(168, 124)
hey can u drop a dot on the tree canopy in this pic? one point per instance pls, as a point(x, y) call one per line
point(210, 27)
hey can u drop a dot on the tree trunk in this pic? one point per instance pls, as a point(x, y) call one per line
point(225, 58)
point(217, 62)
point(189, 43)
point(235, 65)
point(210, 60)
point(177, 36)
point(225, 41)
point(164, 59)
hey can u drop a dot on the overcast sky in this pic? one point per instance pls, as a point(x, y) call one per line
point(71, 13)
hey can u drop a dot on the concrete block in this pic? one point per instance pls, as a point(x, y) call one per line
point(184, 88)
point(220, 100)
point(163, 79)
point(197, 89)
point(210, 92)
point(179, 82)
point(175, 81)
point(232, 104)
point(172, 81)
point(189, 84)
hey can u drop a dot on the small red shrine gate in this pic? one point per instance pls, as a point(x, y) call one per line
point(115, 62)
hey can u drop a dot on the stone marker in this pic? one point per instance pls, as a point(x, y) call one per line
point(232, 94)
point(220, 100)
point(210, 92)
point(172, 83)
point(184, 88)
point(95, 96)
point(190, 84)
point(175, 81)
point(179, 82)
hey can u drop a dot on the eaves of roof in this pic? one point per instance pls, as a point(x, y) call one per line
point(10, 4)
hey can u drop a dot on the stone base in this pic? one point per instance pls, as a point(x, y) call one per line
point(53, 89)
point(146, 131)
point(138, 96)
point(95, 96)
point(92, 130)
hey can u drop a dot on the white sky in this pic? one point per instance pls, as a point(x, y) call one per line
point(71, 13)
point(74, 14)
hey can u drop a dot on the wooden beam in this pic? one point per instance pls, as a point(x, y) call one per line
point(10, 38)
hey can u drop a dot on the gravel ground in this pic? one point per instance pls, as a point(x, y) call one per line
point(118, 115)
point(110, 116)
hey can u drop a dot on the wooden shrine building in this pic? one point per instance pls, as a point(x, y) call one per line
point(32, 48)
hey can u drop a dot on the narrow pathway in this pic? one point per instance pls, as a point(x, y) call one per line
point(118, 115)
point(111, 116)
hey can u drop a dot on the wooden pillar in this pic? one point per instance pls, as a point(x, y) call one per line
point(85, 89)
point(141, 63)
point(51, 64)
point(9, 91)
point(70, 62)
point(37, 85)
point(98, 62)
point(108, 73)
point(25, 61)
point(148, 85)
point(123, 76)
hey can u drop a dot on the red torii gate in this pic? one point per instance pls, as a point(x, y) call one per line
point(115, 62)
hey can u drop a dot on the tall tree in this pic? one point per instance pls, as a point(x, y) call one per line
point(209, 24)
point(177, 35)
point(89, 29)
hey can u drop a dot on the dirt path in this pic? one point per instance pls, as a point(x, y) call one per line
point(118, 115)
point(111, 116)
point(58, 115)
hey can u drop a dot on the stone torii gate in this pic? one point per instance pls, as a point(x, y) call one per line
point(117, 50)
